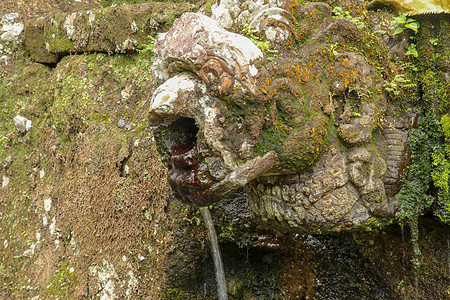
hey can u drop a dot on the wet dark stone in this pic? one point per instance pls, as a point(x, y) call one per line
point(188, 176)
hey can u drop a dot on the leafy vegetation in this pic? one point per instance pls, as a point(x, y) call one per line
point(427, 175)
point(441, 172)
point(429, 169)
point(339, 12)
point(410, 24)
point(397, 84)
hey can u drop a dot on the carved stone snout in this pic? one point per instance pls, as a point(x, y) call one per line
point(299, 133)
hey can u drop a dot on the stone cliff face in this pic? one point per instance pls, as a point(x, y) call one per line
point(289, 119)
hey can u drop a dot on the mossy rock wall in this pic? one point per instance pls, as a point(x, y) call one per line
point(82, 197)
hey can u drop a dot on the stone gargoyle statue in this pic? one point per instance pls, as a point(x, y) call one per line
point(303, 126)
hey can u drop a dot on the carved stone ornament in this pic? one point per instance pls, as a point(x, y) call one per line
point(299, 130)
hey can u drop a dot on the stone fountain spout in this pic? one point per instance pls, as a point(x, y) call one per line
point(299, 131)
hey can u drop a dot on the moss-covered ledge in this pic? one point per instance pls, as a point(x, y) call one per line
point(116, 29)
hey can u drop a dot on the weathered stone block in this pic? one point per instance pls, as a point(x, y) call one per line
point(117, 29)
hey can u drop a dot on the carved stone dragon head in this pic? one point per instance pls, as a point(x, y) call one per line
point(298, 129)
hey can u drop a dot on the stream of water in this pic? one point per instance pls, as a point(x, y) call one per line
point(220, 274)
point(448, 252)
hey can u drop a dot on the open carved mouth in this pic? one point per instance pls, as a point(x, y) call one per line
point(197, 175)
point(188, 177)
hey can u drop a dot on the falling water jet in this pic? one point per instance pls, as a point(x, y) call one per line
point(414, 227)
point(220, 274)
point(448, 252)
point(403, 247)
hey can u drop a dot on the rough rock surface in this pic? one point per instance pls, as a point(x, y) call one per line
point(10, 29)
point(272, 18)
point(217, 56)
point(22, 124)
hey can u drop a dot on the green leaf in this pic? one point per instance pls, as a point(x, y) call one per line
point(338, 11)
point(413, 25)
point(434, 41)
point(398, 30)
point(412, 50)
point(400, 19)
